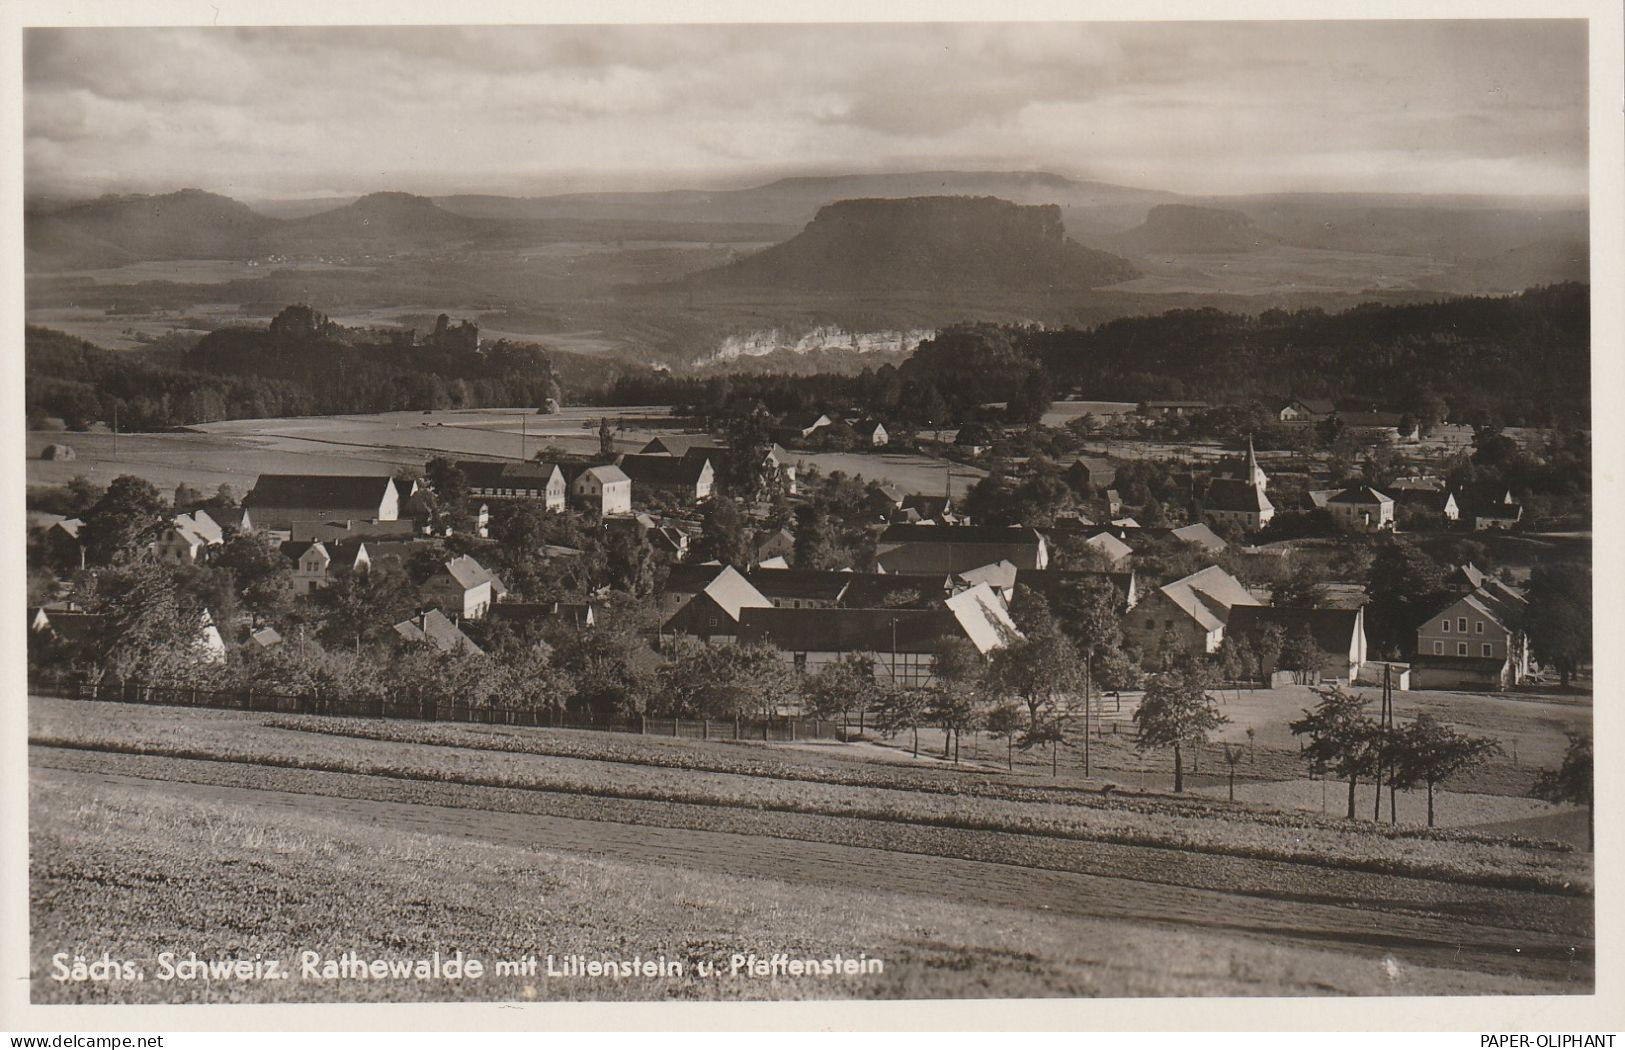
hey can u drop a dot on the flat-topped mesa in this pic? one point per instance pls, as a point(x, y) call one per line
point(928, 244)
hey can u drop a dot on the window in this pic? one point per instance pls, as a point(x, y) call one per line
point(712, 622)
point(1461, 624)
point(1438, 648)
point(801, 663)
point(1444, 625)
point(1489, 650)
point(1461, 648)
point(1478, 626)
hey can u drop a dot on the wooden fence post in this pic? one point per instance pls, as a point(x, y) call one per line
point(674, 726)
point(736, 726)
point(705, 729)
point(642, 728)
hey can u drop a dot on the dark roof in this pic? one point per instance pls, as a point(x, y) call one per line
point(662, 470)
point(1332, 629)
point(848, 630)
point(1233, 494)
point(959, 534)
point(1176, 404)
point(1318, 405)
point(1049, 582)
point(876, 589)
point(1426, 499)
point(691, 579)
point(360, 491)
point(681, 444)
point(1459, 663)
point(1361, 495)
point(800, 583)
point(928, 506)
point(512, 473)
point(540, 612)
point(1098, 467)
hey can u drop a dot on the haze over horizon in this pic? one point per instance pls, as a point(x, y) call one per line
point(1478, 108)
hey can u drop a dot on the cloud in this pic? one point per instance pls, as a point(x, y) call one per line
point(1188, 106)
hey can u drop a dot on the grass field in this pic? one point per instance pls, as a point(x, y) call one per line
point(150, 870)
point(235, 452)
point(1261, 899)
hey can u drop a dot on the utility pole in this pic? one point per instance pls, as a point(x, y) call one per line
point(1388, 715)
point(522, 428)
point(1086, 716)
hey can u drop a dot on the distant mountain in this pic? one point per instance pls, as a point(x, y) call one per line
point(395, 220)
point(1543, 262)
point(110, 231)
point(1087, 207)
point(941, 245)
point(1185, 228)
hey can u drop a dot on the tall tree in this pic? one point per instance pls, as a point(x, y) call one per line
point(1303, 588)
point(724, 535)
point(1559, 617)
point(127, 517)
point(1405, 587)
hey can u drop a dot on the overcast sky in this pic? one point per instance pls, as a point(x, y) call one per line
point(1482, 107)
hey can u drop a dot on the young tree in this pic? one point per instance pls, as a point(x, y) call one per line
point(1004, 722)
point(261, 572)
point(1176, 710)
point(1571, 781)
point(450, 487)
point(1300, 653)
point(1429, 752)
point(897, 708)
point(630, 562)
point(1233, 754)
point(1559, 619)
point(954, 700)
point(1038, 666)
point(1342, 740)
point(1405, 585)
point(357, 606)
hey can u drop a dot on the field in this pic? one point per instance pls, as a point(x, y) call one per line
point(287, 832)
point(235, 452)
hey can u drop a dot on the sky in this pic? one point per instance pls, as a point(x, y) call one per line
point(1483, 107)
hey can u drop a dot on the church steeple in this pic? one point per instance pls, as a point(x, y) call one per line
point(1255, 473)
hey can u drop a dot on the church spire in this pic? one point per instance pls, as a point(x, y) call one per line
point(1255, 473)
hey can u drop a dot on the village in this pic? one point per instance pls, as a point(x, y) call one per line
point(738, 582)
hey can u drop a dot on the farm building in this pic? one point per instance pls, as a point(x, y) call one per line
point(279, 500)
point(956, 548)
point(464, 587)
point(712, 612)
point(316, 563)
point(690, 480)
point(1338, 635)
point(514, 479)
point(1053, 582)
point(1193, 610)
point(1361, 508)
point(188, 539)
point(903, 642)
point(1091, 474)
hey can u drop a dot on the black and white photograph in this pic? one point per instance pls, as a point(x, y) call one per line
point(776, 510)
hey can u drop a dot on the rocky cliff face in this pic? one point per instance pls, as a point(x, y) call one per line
point(1185, 229)
point(820, 338)
point(942, 245)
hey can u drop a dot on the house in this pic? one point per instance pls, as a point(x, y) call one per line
point(1114, 550)
point(1306, 410)
point(939, 509)
point(1361, 508)
point(265, 638)
point(580, 615)
point(956, 548)
point(62, 537)
point(800, 588)
point(1172, 408)
point(464, 587)
point(433, 628)
point(1053, 582)
point(1199, 534)
point(1194, 610)
point(806, 424)
point(889, 495)
point(774, 458)
point(1427, 502)
point(1475, 641)
point(902, 642)
point(871, 432)
point(1338, 634)
point(1091, 474)
point(780, 543)
point(514, 479)
point(188, 539)
point(316, 563)
point(712, 613)
point(279, 500)
point(999, 576)
point(688, 479)
point(890, 590)
point(1492, 508)
point(602, 490)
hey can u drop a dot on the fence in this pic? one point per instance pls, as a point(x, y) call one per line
point(780, 729)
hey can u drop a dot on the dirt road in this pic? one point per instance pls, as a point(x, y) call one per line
point(1416, 921)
